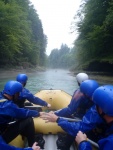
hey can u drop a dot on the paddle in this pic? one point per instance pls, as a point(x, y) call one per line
point(71, 119)
point(93, 143)
point(34, 106)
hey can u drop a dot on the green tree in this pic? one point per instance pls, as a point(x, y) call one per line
point(21, 33)
point(60, 58)
point(92, 43)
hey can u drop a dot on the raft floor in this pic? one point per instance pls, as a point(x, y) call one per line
point(50, 142)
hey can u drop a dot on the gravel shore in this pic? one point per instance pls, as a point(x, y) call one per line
point(4, 73)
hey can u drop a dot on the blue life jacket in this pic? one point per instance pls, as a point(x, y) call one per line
point(78, 106)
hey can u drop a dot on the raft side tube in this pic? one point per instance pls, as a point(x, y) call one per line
point(57, 98)
point(46, 128)
point(18, 142)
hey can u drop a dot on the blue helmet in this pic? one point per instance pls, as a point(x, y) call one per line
point(12, 87)
point(88, 87)
point(103, 97)
point(22, 78)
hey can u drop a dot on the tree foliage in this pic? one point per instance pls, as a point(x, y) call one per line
point(21, 33)
point(61, 58)
point(95, 28)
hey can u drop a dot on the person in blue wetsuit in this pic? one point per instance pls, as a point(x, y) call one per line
point(88, 122)
point(103, 98)
point(78, 106)
point(22, 118)
point(4, 146)
point(79, 103)
point(27, 95)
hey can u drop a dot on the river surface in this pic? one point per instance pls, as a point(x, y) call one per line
point(52, 79)
point(49, 79)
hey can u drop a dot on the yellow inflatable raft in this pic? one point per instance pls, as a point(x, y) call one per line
point(58, 100)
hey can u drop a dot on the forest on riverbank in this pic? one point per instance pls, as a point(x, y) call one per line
point(23, 42)
point(93, 49)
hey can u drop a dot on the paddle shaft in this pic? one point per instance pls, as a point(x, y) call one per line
point(71, 119)
point(33, 106)
point(93, 143)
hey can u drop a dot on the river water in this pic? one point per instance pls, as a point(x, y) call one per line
point(52, 79)
point(49, 79)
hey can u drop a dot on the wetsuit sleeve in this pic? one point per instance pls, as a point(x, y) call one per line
point(4, 146)
point(106, 143)
point(26, 94)
point(11, 109)
point(89, 122)
point(84, 146)
point(65, 112)
point(71, 109)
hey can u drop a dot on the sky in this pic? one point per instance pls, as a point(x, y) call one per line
point(56, 17)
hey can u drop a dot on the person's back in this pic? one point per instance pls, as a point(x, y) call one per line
point(87, 87)
point(103, 98)
point(79, 103)
point(78, 106)
point(23, 125)
point(27, 95)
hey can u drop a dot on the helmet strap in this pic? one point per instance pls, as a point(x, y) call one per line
point(102, 114)
point(15, 97)
point(24, 84)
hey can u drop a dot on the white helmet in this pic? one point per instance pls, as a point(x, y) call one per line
point(80, 77)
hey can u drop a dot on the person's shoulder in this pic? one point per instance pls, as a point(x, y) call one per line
point(76, 91)
point(106, 142)
point(25, 90)
point(78, 94)
point(6, 102)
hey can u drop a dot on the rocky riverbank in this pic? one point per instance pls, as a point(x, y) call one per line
point(6, 72)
